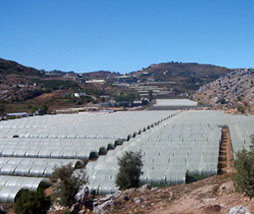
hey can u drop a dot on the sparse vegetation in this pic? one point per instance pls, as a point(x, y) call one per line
point(43, 109)
point(50, 85)
point(2, 109)
point(221, 101)
point(241, 109)
point(243, 178)
point(127, 97)
point(130, 166)
point(29, 202)
point(66, 185)
point(194, 178)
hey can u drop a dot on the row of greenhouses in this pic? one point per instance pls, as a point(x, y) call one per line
point(34, 167)
point(10, 186)
point(173, 144)
point(177, 147)
point(187, 144)
point(83, 125)
point(55, 148)
point(33, 147)
point(175, 102)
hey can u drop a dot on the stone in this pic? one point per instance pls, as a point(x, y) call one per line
point(104, 208)
point(117, 194)
point(75, 208)
point(82, 194)
point(144, 188)
point(106, 198)
point(239, 210)
point(137, 200)
point(124, 198)
point(171, 196)
point(154, 189)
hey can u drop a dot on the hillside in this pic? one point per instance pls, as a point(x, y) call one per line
point(209, 196)
point(233, 91)
point(184, 77)
point(106, 75)
point(8, 67)
point(22, 86)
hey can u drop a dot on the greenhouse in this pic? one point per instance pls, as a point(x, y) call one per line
point(175, 102)
point(35, 146)
point(187, 144)
point(173, 144)
point(10, 186)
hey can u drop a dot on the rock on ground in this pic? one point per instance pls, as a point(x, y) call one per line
point(239, 210)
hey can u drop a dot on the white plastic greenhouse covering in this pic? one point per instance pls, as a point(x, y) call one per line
point(33, 166)
point(176, 147)
point(185, 144)
point(53, 148)
point(83, 125)
point(173, 143)
point(10, 186)
point(175, 102)
point(35, 146)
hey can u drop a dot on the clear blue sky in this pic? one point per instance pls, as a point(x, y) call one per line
point(126, 35)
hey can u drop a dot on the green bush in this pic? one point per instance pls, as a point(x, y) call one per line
point(241, 109)
point(29, 202)
point(2, 109)
point(221, 101)
point(43, 109)
point(30, 94)
point(194, 178)
point(243, 178)
point(130, 166)
point(127, 97)
point(66, 185)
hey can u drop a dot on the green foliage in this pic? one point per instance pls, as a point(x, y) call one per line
point(43, 109)
point(48, 90)
point(56, 84)
point(127, 97)
point(221, 101)
point(29, 202)
point(2, 109)
point(243, 178)
point(194, 178)
point(130, 166)
point(32, 108)
point(241, 109)
point(66, 185)
point(150, 95)
point(30, 94)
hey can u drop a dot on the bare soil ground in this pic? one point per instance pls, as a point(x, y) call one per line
point(208, 196)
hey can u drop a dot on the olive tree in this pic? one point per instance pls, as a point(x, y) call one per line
point(130, 166)
point(66, 184)
point(30, 202)
point(243, 178)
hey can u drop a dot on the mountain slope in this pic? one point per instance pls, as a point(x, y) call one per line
point(233, 91)
point(22, 87)
point(181, 77)
point(8, 67)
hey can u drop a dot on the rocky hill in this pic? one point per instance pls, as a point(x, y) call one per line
point(105, 75)
point(185, 76)
point(214, 195)
point(21, 86)
point(233, 91)
point(8, 67)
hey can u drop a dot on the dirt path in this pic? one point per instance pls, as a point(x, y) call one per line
point(225, 153)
